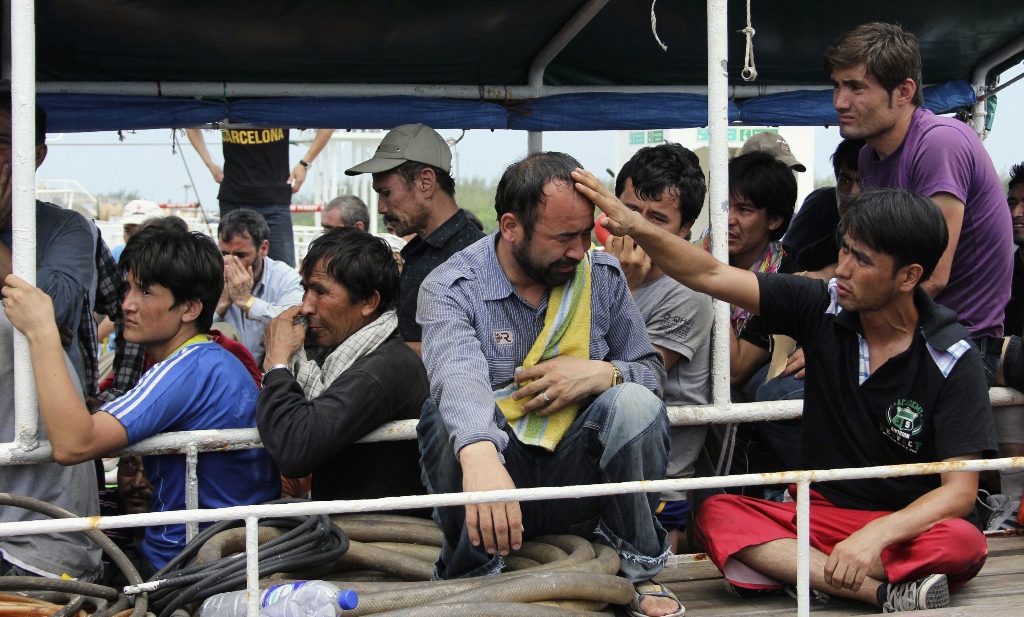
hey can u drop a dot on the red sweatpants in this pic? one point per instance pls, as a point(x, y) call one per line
point(727, 524)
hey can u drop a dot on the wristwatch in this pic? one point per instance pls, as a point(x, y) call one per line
point(304, 163)
point(274, 368)
point(248, 305)
point(617, 379)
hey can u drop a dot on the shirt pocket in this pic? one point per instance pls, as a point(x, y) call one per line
point(501, 371)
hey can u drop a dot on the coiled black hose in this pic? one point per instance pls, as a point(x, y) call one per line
point(310, 546)
point(105, 543)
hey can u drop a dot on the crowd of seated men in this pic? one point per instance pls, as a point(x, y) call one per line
point(532, 359)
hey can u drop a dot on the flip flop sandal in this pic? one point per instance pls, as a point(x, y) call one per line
point(652, 589)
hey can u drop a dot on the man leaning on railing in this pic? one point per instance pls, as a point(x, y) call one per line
point(890, 380)
point(175, 279)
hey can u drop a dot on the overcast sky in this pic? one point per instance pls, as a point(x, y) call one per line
point(144, 161)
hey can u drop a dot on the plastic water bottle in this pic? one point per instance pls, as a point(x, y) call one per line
point(301, 599)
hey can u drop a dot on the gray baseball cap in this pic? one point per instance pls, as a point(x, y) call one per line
point(775, 145)
point(409, 142)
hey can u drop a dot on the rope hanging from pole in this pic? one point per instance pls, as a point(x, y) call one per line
point(749, 70)
point(654, 27)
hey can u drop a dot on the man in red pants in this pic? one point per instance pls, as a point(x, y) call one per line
point(891, 379)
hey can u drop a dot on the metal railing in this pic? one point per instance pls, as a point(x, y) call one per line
point(27, 449)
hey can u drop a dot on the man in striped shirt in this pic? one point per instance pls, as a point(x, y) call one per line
point(175, 279)
point(481, 312)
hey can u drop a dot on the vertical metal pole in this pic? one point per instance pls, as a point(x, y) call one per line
point(191, 488)
point(803, 548)
point(534, 142)
point(23, 228)
point(252, 566)
point(718, 164)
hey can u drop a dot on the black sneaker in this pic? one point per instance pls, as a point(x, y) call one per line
point(790, 590)
point(929, 592)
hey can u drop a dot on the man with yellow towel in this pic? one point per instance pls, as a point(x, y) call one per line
point(541, 374)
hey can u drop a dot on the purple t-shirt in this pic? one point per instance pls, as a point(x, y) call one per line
point(944, 155)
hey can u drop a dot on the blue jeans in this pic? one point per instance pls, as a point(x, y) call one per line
point(622, 436)
point(279, 218)
point(783, 437)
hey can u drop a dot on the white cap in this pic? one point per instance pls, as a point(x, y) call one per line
point(396, 243)
point(139, 211)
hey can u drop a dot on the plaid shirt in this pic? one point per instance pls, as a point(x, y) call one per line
point(111, 288)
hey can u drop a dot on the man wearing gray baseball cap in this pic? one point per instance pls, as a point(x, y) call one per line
point(775, 145)
point(412, 177)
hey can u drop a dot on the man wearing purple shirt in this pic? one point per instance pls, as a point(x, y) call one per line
point(876, 73)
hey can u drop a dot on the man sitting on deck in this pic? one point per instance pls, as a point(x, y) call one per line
point(175, 279)
point(891, 379)
point(355, 374)
point(582, 408)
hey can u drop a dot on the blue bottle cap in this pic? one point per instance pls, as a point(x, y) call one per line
point(347, 599)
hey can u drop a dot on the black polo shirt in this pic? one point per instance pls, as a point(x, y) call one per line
point(421, 256)
point(1013, 323)
point(921, 406)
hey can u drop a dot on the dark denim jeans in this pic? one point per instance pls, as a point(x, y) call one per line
point(783, 437)
point(622, 436)
point(279, 218)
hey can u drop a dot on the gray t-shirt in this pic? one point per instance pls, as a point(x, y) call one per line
point(679, 319)
point(72, 488)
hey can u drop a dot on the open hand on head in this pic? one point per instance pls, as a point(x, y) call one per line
point(621, 220)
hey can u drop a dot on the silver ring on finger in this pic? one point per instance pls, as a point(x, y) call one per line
point(544, 395)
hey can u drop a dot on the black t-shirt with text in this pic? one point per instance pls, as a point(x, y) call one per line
point(920, 406)
point(256, 167)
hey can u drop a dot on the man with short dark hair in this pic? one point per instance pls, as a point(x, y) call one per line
point(345, 211)
point(541, 374)
point(876, 72)
point(256, 287)
point(412, 177)
point(1010, 422)
point(665, 184)
point(891, 379)
point(814, 225)
point(175, 280)
point(762, 194)
point(354, 375)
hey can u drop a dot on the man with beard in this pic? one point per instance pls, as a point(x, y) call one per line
point(541, 374)
point(891, 379)
point(353, 375)
point(256, 287)
point(416, 194)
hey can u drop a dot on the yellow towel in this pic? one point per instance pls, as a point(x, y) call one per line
point(566, 332)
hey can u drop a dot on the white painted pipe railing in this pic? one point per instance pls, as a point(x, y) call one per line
point(251, 514)
point(718, 189)
point(495, 93)
point(23, 198)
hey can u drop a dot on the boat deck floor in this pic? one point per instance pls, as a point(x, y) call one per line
point(998, 591)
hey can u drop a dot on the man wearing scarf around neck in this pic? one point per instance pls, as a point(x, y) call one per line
point(353, 374)
point(762, 194)
point(541, 374)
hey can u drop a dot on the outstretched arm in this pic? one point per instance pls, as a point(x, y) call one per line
point(680, 259)
point(195, 136)
point(75, 435)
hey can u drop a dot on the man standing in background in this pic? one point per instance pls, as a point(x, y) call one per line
point(255, 176)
